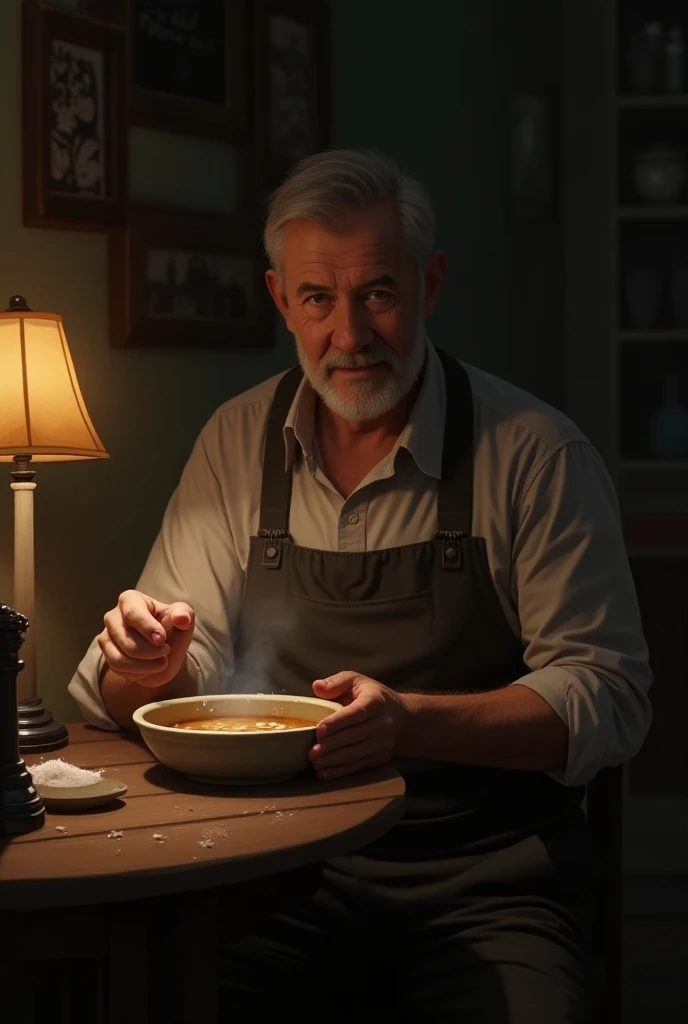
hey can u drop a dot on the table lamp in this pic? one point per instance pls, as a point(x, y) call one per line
point(42, 419)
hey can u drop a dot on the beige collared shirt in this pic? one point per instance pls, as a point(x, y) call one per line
point(543, 501)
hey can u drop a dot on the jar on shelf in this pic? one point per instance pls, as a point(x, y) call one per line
point(668, 438)
point(645, 59)
point(675, 62)
point(659, 175)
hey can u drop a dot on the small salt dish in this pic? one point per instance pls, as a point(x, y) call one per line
point(80, 798)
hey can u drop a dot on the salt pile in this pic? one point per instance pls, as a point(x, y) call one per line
point(60, 773)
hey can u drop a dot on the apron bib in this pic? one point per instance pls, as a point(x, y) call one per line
point(422, 618)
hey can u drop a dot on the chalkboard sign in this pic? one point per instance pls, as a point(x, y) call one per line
point(189, 66)
point(180, 48)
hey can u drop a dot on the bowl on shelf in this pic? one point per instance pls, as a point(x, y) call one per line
point(659, 175)
point(264, 750)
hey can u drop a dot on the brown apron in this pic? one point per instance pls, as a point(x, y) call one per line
point(423, 618)
point(476, 906)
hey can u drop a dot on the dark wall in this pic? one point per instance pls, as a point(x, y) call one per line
point(424, 82)
point(534, 248)
point(431, 84)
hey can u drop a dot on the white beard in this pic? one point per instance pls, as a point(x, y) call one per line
point(364, 400)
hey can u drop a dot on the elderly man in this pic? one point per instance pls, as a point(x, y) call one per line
point(446, 555)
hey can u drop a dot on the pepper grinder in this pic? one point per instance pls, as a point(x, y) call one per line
point(21, 808)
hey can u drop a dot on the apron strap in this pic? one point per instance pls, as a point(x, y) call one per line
point(455, 491)
point(275, 495)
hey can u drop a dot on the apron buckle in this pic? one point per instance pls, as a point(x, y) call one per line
point(452, 554)
point(272, 548)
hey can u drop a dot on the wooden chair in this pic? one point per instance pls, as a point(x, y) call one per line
point(605, 814)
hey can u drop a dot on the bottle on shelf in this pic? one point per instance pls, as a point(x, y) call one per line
point(644, 287)
point(675, 62)
point(668, 438)
point(645, 59)
point(678, 284)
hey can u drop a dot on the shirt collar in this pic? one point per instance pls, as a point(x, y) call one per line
point(422, 436)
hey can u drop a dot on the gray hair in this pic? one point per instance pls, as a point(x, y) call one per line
point(329, 186)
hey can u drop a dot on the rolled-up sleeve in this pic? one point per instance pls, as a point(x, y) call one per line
point(193, 559)
point(579, 614)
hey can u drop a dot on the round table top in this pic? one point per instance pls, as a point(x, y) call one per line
point(211, 835)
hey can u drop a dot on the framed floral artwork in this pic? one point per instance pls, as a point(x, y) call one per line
point(188, 280)
point(292, 91)
point(188, 65)
point(74, 121)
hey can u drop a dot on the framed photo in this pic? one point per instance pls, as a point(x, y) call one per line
point(292, 39)
point(188, 67)
point(74, 121)
point(188, 280)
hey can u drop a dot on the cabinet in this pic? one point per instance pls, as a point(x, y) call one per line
point(625, 209)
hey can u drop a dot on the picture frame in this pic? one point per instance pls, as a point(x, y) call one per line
point(188, 280)
point(106, 10)
point(74, 130)
point(188, 66)
point(292, 87)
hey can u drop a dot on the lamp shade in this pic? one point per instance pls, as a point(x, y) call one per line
point(42, 412)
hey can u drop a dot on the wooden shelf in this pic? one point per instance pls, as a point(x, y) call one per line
point(654, 465)
point(659, 334)
point(659, 102)
point(653, 212)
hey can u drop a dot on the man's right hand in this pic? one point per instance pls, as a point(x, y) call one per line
point(144, 640)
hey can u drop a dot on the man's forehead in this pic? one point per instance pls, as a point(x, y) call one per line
point(369, 248)
point(377, 258)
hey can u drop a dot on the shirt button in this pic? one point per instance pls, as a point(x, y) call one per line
point(353, 519)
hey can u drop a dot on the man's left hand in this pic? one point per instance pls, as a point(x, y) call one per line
point(365, 733)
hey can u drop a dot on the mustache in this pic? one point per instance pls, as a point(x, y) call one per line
point(336, 360)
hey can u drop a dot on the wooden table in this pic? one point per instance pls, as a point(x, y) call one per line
point(137, 908)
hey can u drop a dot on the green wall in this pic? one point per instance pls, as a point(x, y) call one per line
point(424, 82)
point(420, 87)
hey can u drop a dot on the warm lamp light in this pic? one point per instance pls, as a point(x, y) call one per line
point(42, 419)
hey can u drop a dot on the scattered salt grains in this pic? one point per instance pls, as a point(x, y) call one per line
point(61, 829)
point(206, 843)
point(57, 772)
point(115, 834)
point(214, 833)
point(159, 837)
point(281, 815)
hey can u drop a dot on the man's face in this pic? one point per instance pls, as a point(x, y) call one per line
point(356, 304)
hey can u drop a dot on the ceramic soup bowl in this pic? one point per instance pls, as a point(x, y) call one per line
point(268, 752)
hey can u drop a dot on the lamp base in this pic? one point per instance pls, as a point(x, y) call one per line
point(38, 730)
point(21, 808)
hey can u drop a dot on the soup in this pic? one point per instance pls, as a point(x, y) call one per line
point(245, 724)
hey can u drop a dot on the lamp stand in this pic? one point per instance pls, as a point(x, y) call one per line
point(38, 730)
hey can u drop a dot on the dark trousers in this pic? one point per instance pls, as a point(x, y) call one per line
point(500, 937)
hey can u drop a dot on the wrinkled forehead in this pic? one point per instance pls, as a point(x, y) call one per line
point(362, 244)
